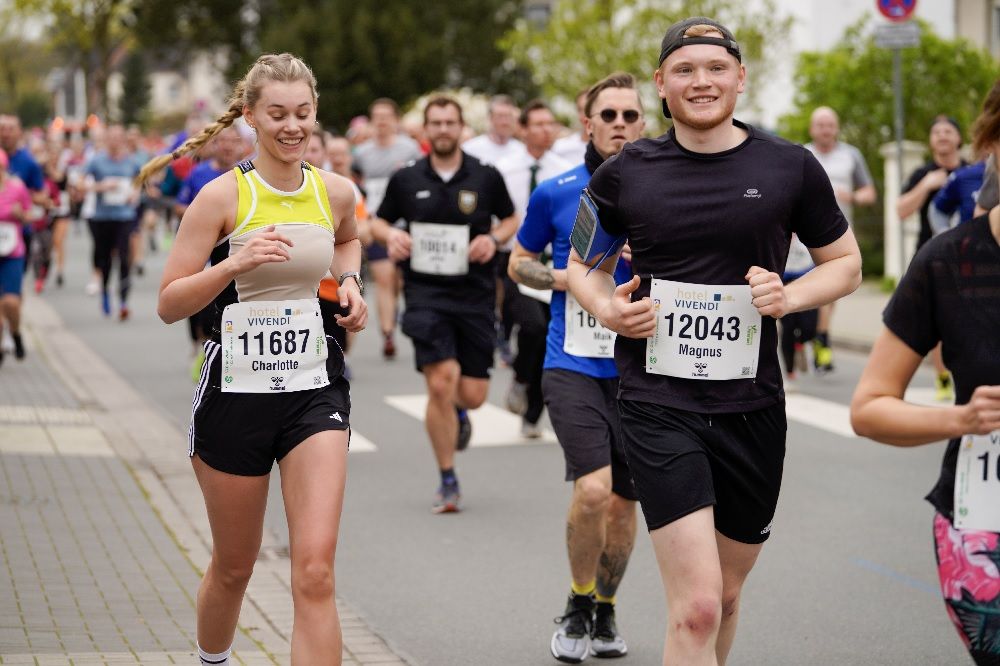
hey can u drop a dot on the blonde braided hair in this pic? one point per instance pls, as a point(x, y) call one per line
point(283, 67)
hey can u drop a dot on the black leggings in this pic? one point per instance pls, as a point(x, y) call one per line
point(111, 235)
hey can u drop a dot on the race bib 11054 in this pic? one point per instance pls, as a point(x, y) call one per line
point(439, 249)
point(709, 332)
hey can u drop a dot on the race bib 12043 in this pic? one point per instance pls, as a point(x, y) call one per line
point(977, 483)
point(439, 249)
point(273, 346)
point(703, 331)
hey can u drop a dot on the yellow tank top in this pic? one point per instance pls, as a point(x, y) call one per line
point(304, 216)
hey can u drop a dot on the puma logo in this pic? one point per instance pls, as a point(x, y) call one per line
point(287, 204)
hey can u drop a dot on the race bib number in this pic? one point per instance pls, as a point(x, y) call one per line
point(703, 331)
point(273, 346)
point(9, 236)
point(584, 334)
point(118, 193)
point(439, 249)
point(977, 483)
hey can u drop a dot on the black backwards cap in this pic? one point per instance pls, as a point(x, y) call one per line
point(675, 39)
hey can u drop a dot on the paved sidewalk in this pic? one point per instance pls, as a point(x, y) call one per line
point(103, 533)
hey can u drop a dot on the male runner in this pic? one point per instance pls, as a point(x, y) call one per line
point(708, 210)
point(852, 185)
point(580, 384)
point(447, 202)
point(522, 173)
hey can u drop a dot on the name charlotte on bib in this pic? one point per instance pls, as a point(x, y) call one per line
point(709, 332)
point(439, 249)
point(273, 346)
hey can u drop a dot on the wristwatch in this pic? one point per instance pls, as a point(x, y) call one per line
point(357, 278)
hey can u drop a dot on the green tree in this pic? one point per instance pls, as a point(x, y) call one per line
point(855, 78)
point(134, 102)
point(584, 40)
point(88, 34)
point(23, 66)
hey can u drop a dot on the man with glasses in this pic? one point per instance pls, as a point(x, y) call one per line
point(580, 384)
point(522, 173)
point(708, 210)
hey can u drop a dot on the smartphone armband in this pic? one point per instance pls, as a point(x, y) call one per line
point(588, 238)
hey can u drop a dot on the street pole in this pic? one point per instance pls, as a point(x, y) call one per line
point(897, 87)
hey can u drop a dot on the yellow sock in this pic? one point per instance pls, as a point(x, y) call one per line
point(586, 589)
point(601, 599)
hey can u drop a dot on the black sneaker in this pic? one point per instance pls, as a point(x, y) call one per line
point(571, 641)
point(605, 641)
point(18, 346)
point(464, 430)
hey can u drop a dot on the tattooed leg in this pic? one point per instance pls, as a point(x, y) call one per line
point(619, 539)
point(585, 524)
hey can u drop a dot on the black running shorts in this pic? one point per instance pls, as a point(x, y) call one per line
point(584, 413)
point(683, 461)
point(245, 433)
point(438, 335)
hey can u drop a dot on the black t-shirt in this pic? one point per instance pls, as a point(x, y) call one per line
point(918, 174)
point(473, 196)
point(706, 219)
point(951, 294)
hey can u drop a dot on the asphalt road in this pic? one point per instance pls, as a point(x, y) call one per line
point(848, 576)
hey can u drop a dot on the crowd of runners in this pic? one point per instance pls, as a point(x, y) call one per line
point(641, 290)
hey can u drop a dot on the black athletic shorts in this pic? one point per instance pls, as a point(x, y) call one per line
point(683, 461)
point(245, 433)
point(438, 336)
point(584, 413)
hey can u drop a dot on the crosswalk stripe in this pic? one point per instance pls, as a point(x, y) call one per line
point(491, 426)
point(836, 418)
point(361, 444)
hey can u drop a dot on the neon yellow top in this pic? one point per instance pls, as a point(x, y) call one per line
point(262, 205)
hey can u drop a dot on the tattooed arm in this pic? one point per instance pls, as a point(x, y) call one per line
point(526, 269)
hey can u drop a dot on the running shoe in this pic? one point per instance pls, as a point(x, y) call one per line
point(123, 313)
point(1, 357)
point(448, 497)
point(92, 288)
point(106, 304)
point(605, 641)
point(530, 430)
point(464, 429)
point(822, 357)
point(517, 397)
point(801, 364)
point(59, 280)
point(944, 391)
point(39, 285)
point(571, 641)
point(389, 347)
point(18, 346)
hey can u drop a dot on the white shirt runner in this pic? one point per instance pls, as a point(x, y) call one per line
point(584, 334)
point(703, 331)
point(273, 346)
point(977, 483)
point(439, 249)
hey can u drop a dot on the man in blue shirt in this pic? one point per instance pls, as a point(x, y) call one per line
point(957, 195)
point(580, 384)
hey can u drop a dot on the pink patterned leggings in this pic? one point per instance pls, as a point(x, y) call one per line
point(969, 570)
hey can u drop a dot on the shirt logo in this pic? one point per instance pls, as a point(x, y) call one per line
point(424, 194)
point(467, 201)
point(753, 193)
point(286, 204)
point(336, 415)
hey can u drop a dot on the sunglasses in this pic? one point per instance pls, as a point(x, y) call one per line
point(628, 115)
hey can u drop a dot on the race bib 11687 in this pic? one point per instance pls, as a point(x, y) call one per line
point(977, 483)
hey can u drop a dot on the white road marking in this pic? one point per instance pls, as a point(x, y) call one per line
point(361, 444)
point(835, 417)
point(491, 426)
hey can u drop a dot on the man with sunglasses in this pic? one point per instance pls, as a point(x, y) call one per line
point(580, 383)
point(708, 210)
point(522, 172)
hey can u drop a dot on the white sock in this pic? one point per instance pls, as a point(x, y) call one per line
point(221, 659)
